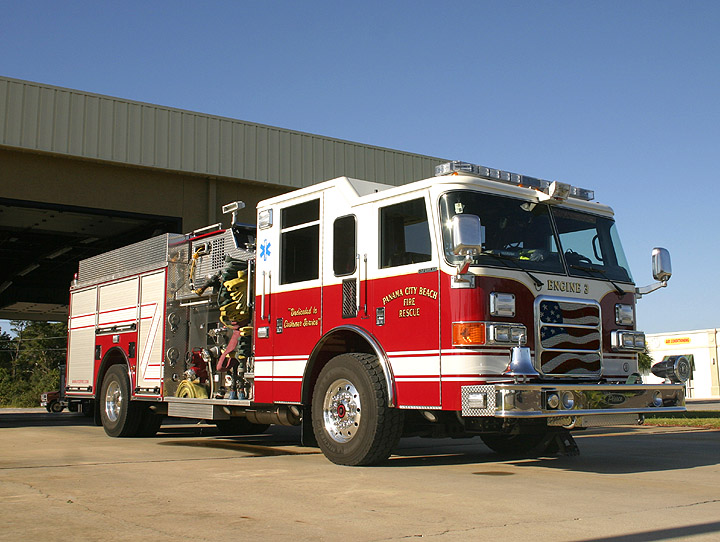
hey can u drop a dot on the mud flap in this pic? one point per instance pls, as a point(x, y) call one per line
point(559, 441)
point(307, 435)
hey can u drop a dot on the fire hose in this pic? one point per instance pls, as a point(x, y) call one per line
point(191, 390)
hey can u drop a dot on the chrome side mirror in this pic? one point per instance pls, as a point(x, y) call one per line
point(661, 266)
point(661, 269)
point(467, 238)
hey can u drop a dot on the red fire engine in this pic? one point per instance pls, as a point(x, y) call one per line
point(477, 302)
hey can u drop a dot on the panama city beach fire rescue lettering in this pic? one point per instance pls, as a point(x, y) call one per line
point(409, 309)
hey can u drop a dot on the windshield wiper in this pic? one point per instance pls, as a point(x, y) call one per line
point(589, 269)
point(504, 257)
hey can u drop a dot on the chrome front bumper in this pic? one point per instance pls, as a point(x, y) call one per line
point(569, 400)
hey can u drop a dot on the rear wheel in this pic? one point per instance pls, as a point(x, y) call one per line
point(351, 419)
point(120, 417)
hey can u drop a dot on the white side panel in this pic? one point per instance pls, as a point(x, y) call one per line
point(118, 303)
point(150, 333)
point(81, 341)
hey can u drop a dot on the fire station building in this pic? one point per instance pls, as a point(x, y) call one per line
point(82, 173)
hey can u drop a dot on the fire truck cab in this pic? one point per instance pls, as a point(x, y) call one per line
point(477, 302)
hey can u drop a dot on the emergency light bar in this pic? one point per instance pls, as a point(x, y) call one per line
point(456, 166)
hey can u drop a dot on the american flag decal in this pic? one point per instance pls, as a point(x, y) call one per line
point(569, 337)
point(563, 312)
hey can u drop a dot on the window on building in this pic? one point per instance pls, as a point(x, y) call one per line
point(300, 242)
point(404, 234)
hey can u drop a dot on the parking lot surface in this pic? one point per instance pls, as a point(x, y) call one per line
point(62, 478)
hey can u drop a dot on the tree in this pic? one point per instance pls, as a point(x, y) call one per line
point(30, 361)
point(645, 360)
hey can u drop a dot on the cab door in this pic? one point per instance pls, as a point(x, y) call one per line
point(289, 293)
point(403, 299)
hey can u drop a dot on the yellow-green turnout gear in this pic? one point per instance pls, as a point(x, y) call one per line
point(232, 296)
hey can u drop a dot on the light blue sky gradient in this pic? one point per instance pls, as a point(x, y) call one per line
point(619, 97)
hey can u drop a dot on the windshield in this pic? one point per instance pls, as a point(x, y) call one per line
point(520, 234)
point(591, 245)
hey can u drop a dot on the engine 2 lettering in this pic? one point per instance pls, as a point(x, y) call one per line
point(566, 286)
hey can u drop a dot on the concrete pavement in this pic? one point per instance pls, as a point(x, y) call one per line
point(62, 477)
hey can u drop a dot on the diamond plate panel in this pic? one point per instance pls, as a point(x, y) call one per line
point(489, 409)
point(221, 246)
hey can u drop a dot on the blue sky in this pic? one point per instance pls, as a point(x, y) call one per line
point(619, 97)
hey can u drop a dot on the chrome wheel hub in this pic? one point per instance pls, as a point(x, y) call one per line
point(113, 401)
point(341, 410)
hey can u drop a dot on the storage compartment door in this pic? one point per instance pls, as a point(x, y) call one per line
point(150, 333)
point(81, 340)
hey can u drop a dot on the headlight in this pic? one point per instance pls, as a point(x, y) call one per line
point(513, 334)
point(627, 340)
point(482, 333)
point(501, 334)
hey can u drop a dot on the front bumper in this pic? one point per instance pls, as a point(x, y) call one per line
point(569, 400)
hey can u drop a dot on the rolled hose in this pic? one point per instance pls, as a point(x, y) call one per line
point(191, 390)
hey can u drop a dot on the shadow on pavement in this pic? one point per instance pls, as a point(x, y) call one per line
point(662, 534)
point(615, 450)
point(41, 418)
point(608, 451)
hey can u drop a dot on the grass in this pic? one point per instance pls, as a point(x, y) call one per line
point(698, 418)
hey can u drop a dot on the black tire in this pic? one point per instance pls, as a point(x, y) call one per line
point(523, 444)
point(55, 406)
point(120, 416)
point(351, 419)
point(239, 426)
point(87, 408)
point(150, 422)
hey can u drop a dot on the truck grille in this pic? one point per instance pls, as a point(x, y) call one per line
point(568, 337)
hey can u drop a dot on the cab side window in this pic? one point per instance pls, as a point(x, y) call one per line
point(404, 234)
point(344, 235)
point(300, 242)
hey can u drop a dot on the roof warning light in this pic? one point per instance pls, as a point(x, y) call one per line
point(554, 189)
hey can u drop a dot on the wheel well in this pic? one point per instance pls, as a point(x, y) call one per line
point(114, 356)
point(338, 341)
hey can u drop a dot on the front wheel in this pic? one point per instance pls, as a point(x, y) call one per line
point(55, 406)
point(120, 417)
point(351, 419)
